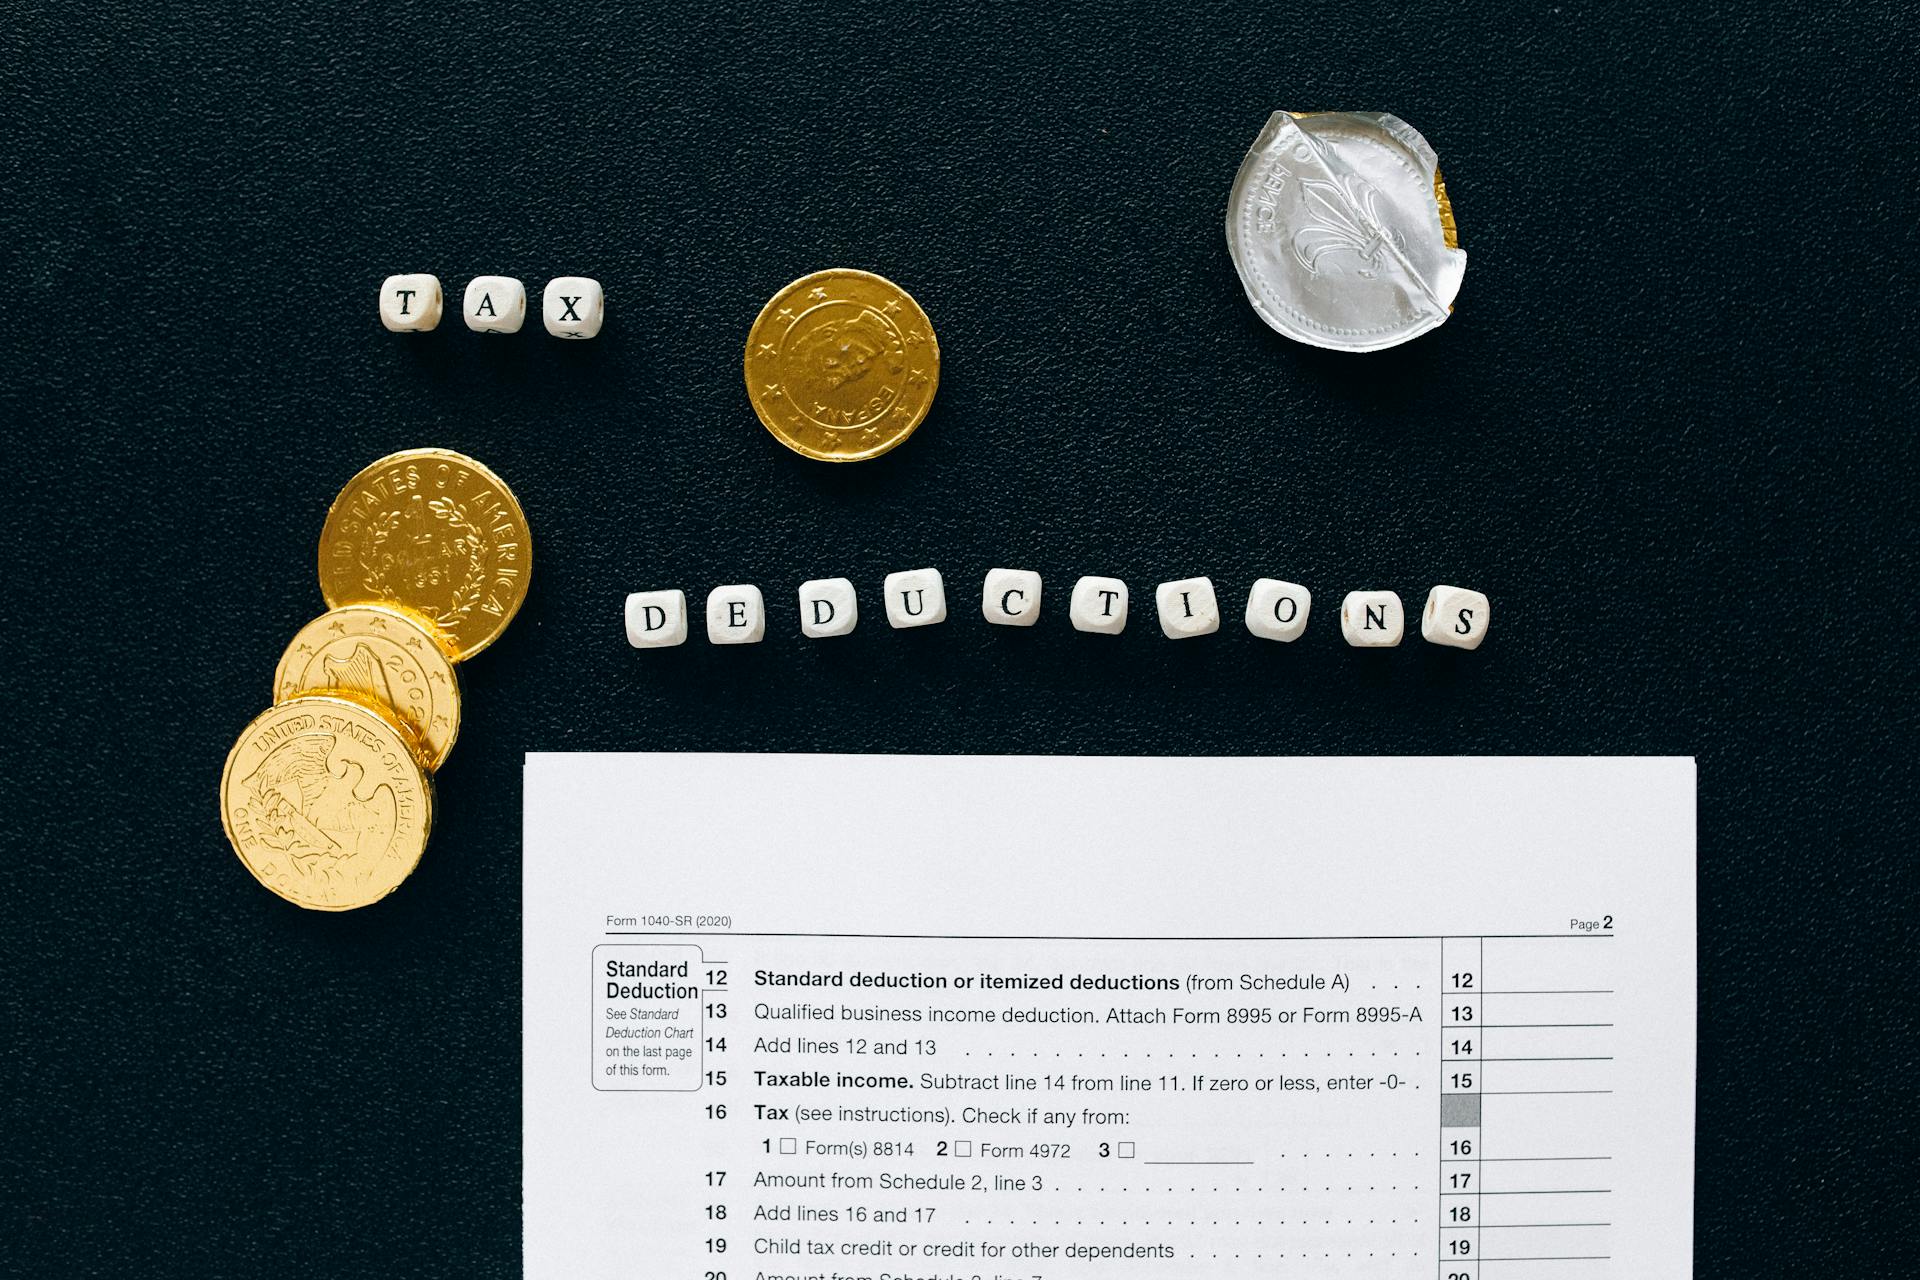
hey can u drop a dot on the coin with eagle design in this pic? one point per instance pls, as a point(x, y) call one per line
point(381, 654)
point(842, 365)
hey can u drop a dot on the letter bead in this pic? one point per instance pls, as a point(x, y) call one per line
point(1455, 617)
point(1187, 608)
point(410, 303)
point(1099, 605)
point(1372, 619)
point(828, 607)
point(1278, 610)
point(656, 619)
point(1011, 597)
point(915, 598)
point(736, 614)
point(495, 304)
point(573, 307)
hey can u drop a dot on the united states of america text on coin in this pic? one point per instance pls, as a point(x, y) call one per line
point(842, 365)
point(381, 654)
point(325, 802)
point(436, 532)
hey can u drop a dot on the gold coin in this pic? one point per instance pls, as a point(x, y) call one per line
point(842, 365)
point(325, 803)
point(433, 531)
point(382, 654)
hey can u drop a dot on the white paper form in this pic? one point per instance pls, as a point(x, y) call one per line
point(1057, 1018)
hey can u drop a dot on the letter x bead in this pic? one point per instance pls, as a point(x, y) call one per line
point(1011, 597)
point(1187, 607)
point(1455, 617)
point(573, 307)
point(656, 619)
point(828, 607)
point(495, 304)
point(1372, 619)
point(915, 598)
point(1098, 605)
point(410, 303)
point(736, 614)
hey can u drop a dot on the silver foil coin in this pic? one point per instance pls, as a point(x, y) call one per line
point(1340, 228)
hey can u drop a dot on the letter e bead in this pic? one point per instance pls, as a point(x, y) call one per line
point(828, 607)
point(495, 304)
point(1372, 619)
point(410, 303)
point(736, 614)
point(915, 598)
point(573, 307)
point(1455, 617)
point(656, 619)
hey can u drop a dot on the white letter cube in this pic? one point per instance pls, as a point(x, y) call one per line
point(736, 614)
point(828, 607)
point(1011, 597)
point(915, 598)
point(1187, 607)
point(573, 307)
point(495, 304)
point(1372, 619)
point(1278, 610)
point(656, 619)
point(410, 303)
point(1455, 617)
point(1099, 605)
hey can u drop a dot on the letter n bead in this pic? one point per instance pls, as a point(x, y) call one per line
point(828, 607)
point(736, 614)
point(1372, 619)
point(1278, 610)
point(573, 307)
point(915, 598)
point(656, 619)
point(1455, 617)
point(410, 303)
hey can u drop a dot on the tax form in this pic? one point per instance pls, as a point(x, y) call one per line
point(815, 1017)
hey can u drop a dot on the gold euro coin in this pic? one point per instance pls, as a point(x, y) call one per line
point(381, 654)
point(433, 531)
point(325, 802)
point(842, 365)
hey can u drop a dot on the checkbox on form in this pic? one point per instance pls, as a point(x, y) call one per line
point(963, 1149)
point(789, 1146)
point(1126, 1151)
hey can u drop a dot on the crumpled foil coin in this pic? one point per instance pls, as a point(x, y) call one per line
point(1342, 232)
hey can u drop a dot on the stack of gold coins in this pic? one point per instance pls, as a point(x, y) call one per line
point(328, 795)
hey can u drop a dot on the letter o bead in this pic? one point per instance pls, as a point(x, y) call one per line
point(1455, 617)
point(1278, 610)
point(1372, 619)
point(828, 607)
point(1011, 597)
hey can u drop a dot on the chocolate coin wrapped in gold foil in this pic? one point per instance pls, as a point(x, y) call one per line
point(382, 654)
point(1342, 231)
point(842, 365)
point(433, 531)
point(326, 803)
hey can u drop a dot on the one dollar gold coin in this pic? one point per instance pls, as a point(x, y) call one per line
point(842, 365)
point(325, 802)
point(433, 531)
point(381, 654)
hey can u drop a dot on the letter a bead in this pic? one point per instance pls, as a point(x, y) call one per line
point(1187, 607)
point(1372, 619)
point(915, 598)
point(828, 607)
point(410, 303)
point(656, 619)
point(495, 304)
point(1455, 617)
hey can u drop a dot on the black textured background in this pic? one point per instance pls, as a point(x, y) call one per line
point(1668, 431)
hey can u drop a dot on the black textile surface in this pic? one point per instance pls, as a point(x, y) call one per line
point(1667, 431)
